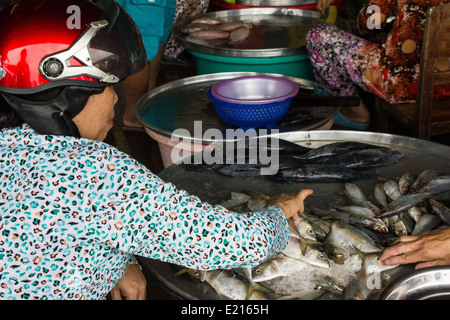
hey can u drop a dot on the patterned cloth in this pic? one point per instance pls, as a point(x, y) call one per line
point(73, 212)
point(331, 53)
point(390, 68)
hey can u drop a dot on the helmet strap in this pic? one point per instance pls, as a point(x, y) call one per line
point(53, 116)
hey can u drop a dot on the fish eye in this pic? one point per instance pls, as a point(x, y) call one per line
point(310, 231)
point(322, 256)
point(258, 271)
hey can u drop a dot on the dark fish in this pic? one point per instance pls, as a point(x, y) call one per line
point(243, 157)
point(436, 186)
point(241, 170)
point(336, 148)
point(363, 159)
point(423, 179)
point(440, 210)
point(319, 173)
point(294, 117)
point(403, 203)
point(426, 223)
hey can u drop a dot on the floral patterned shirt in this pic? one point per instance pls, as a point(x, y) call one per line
point(74, 212)
point(391, 68)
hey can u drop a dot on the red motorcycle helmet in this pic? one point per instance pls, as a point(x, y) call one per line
point(78, 46)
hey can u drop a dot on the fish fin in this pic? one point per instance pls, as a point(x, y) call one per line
point(361, 254)
point(250, 291)
point(303, 247)
point(184, 270)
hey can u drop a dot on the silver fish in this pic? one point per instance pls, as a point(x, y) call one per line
point(338, 254)
point(405, 182)
point(380, 194)
point(357, 196)
point(279, 266)
point(231, 287)
point(348, 237)
point(304, 228)
point(361, 287)
point(415, 213)
point(359, 210)
point(312, 255)
point(352, 218)
point(407, 221)
point(321, 227)
point(392, 189)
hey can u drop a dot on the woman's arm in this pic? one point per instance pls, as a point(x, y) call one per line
point(322, 5)
point(143, 215)
point(132, 285)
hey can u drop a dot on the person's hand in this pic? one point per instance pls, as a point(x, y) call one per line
point(132, 286)
point(431, 248)
point(322, 5)
point(291, 205)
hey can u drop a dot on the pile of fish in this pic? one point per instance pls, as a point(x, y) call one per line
point(333, 252)
point(214, 32)
point(333, 162)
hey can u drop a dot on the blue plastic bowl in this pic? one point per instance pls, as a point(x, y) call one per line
point(253, 101)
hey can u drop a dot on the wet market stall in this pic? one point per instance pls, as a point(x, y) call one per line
point(338, 280)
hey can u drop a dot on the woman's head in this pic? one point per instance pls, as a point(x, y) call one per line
point(72, 49)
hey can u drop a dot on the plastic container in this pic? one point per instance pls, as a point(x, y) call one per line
point(253, 101)
point(295, 65)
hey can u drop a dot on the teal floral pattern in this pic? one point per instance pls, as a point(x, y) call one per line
point(75, 212)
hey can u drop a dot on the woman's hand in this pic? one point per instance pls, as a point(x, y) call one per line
point(291, 205)
point(322, 5)
point(431, 248)
point(132, 286)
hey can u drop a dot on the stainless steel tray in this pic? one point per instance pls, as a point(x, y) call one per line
point(274, 3)
point(423, 284)
point(180, 103)
point(276, 32)
point(214, 188)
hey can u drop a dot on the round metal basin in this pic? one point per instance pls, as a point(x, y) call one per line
point(424, 284)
